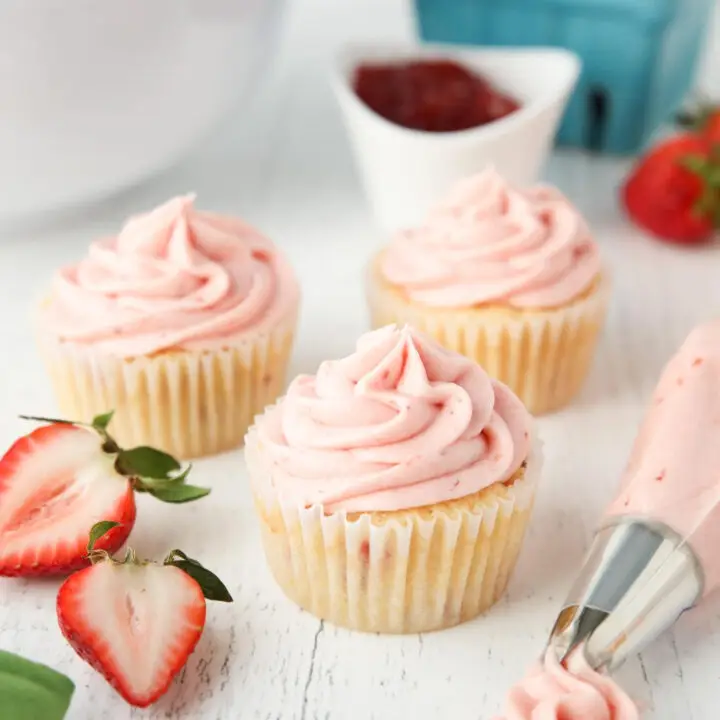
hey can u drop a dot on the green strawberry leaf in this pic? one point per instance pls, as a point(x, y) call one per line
point(175, 493)
point(97, 531)
point(31, 691)
point(695, 163)
point(146, 462)
point(213, 588)
point(101, 422)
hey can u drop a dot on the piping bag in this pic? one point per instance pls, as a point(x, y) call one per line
point(656, 552)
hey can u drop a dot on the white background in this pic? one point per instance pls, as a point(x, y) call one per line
point(285, 166)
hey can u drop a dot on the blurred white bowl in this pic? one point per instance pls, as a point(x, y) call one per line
point(404, 171)
point(97, 95)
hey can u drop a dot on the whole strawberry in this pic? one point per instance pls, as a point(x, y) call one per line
point(673, 192)
point(136, 622)
point(62, 478)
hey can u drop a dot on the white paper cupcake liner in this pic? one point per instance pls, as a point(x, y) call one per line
point(395, 572)
point(184, 402)
point(544, 356)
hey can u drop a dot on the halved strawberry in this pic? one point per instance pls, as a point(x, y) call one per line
point(136, 622)
point(62, 478)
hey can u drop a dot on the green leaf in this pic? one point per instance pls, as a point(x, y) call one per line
point(713, 176)
point(695, 163)
point(30, 691)
point(175, 493)
point(97, 531)
point(213, 588)
point(146, 462)
point(101, 422)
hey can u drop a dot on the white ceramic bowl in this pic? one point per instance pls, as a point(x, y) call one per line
point(404, 171)
point(96, 95)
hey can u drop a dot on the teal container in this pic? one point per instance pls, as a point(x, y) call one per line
point(639, 56)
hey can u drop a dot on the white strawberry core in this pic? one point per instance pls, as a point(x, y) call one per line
point(58, 489)
point(139, 612)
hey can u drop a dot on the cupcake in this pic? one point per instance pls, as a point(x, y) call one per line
point(511, 278)
point(183, 324)
point(394, 487)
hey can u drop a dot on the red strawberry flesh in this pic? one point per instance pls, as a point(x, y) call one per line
point(136, 624)
point(55, 483)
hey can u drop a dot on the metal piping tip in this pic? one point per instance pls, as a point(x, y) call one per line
point(573, 626)
point(638, 578)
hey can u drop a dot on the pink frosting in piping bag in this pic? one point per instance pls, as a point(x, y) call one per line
point(401, 423)
point(674, 470)
point(173, 278)
point(554, 692)
point(490, 243)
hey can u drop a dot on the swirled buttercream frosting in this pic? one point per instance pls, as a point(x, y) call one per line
point(490, 243)
point(400, 423)
point(173, 278)
point(552, 691)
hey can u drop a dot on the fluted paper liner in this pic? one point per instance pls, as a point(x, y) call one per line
point(187, 403)
point(395, 572)
point(544, 356)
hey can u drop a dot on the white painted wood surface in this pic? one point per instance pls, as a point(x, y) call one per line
point(285, 166)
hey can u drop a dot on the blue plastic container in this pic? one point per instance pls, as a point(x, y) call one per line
point(639, 56)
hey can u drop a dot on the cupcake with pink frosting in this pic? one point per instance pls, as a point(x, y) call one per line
point(394, 486)
point(511, 278)
point(183, 324)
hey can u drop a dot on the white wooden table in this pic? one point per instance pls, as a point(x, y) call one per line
point(286, 167)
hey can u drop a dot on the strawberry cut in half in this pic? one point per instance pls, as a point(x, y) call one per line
point(61, 479)
point(135, 622)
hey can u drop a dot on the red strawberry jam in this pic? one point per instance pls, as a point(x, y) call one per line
point(431, 95)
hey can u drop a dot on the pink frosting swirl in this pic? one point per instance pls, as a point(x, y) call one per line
point(401, 423)
point(552, 692)
point(490, 243)
point(173, 278)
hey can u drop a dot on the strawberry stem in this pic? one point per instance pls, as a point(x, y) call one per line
point(707, 169)
point(213, 588)
point(150, 470)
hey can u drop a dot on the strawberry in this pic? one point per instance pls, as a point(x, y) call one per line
point(136, 622)
point(63, 477)
point(674, 191)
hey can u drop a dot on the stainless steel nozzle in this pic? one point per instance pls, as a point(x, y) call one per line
point(639, 576)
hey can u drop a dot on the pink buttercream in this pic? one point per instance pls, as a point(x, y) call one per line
point(674, 470)
point(490, 243)
point(553, 692)
point(401, 423)
point(173, 278)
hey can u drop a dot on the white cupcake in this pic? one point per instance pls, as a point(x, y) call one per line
point(394, 487)
point(182, 324)
point(511, 278)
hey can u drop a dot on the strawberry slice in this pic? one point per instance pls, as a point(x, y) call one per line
point(136, 622)
point(62, 478)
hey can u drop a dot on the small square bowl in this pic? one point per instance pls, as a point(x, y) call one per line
point(405, 171)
